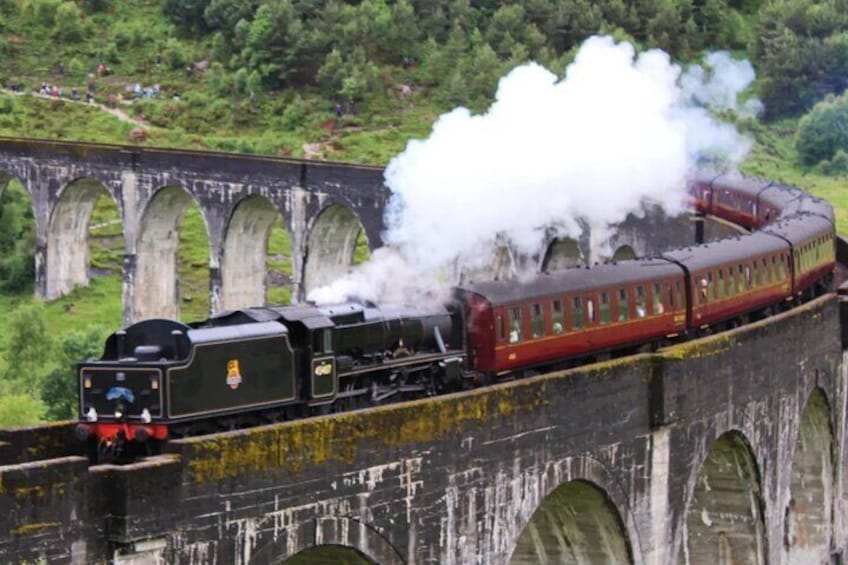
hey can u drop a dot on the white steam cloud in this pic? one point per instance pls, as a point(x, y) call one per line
point(619, 132)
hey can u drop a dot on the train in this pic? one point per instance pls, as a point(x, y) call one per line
point(161, 379)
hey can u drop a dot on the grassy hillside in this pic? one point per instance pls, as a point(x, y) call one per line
point(217, 107)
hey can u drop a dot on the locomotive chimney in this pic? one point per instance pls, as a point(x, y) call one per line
point(176, 335)
point(122, 342)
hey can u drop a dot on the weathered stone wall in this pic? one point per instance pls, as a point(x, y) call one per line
point(457, 479)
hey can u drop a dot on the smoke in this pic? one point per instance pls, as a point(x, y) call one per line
point(619, 133)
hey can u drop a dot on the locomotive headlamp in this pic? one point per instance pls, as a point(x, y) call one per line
point(86, 382)
point(119, 413)
point(145, 416)
point(154, 382)
point(91, 415)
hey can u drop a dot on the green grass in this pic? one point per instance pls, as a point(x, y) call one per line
point(193, 261)
point(127, 37)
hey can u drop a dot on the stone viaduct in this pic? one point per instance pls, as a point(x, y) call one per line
point(728, 449)
point(324, 207)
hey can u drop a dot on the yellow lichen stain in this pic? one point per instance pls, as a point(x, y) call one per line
point(698, 348)
point(28, 529)
point(293, 447)
point(37, 491)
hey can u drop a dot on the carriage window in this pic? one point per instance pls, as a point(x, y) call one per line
point(740, 281)
point(590, 310)
point(500, 326)
point(658, 301)
point(720, 285)
point(576, 313)
point(641, 310)
point(623, 305)
point(605, 308)
point(537, 321)
point(712, 286)
point(703, 288)
point(748, 279)
point(515, 329)
point(557, 318)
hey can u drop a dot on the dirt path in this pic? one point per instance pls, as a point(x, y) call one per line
point(117, 112)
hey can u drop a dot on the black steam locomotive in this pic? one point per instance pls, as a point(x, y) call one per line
point(160, 378)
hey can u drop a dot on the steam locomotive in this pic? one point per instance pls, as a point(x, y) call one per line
point(160, 379)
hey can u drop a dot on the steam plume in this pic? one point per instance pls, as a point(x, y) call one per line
point(620, 131)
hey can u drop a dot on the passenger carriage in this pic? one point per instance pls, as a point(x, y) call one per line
point(813, 243)
point(735, 198)
point(731, 278)
point(572, 313)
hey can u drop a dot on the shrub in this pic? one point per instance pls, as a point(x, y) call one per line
point(823, 130)
point(20, 410)
point(68, 27)
point(7, 105)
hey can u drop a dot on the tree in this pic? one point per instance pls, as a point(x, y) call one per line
point(68, 27)
point(17, 240)
point(187, 14)
point(823, 131)
point(60, 388)
point(28, 349)
point(802, 53)
point(20, 410)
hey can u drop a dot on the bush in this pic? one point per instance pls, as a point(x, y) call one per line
point(59, 391)
point(68, 27)
point(7, 105)
point(823, 131)
point(836, 166)
point(175, 54)
point(20, 410)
